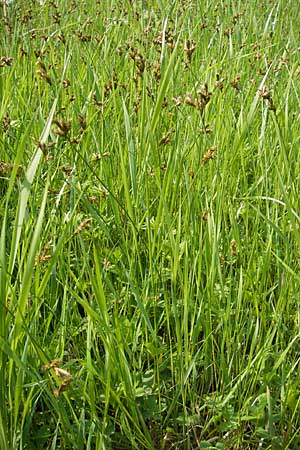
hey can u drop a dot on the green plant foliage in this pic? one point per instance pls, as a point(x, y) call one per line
point(149, 240)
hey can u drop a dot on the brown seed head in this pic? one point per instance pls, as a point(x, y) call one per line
point(233, 247)
point(51, 365)
point(235, 83)
point(189, 48)
point(6, 61)
point(210, 154)
point(264, 93)
point(63, 127)
point(82, 121)
point(83, 225)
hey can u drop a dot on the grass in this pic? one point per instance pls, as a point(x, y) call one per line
point(149, 247)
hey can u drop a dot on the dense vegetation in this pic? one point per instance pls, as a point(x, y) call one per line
point(149, 247)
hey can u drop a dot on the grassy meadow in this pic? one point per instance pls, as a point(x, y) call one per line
point(150, 225)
